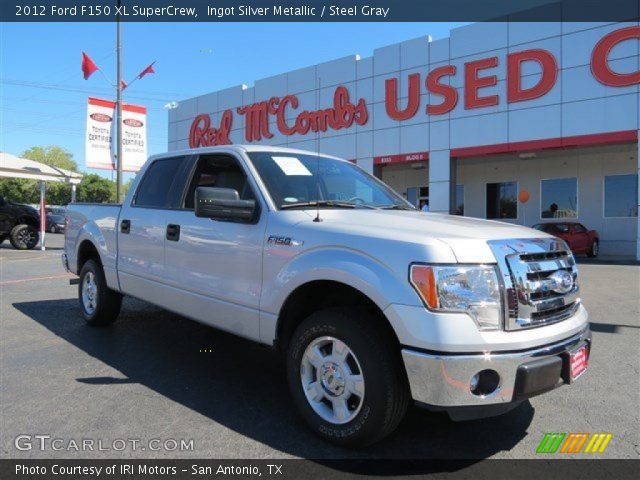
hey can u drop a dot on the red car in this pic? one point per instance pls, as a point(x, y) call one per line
point(579, 239)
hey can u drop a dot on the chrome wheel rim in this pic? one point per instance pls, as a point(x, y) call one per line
point(594, 248)
point(332, 380)
point(89, 293)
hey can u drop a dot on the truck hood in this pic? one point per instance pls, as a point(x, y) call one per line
point(467, 237)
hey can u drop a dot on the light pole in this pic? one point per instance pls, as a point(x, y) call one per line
point(119, 107)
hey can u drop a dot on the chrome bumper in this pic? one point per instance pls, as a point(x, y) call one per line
point(442, 380)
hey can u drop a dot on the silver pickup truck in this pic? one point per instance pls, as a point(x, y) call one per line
point(372, 303)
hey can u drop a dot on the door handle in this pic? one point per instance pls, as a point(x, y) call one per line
point(173, 232)
point(125, 226)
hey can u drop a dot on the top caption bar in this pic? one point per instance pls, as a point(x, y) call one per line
point(319, 11)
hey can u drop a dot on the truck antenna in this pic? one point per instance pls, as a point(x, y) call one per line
point(318, 219)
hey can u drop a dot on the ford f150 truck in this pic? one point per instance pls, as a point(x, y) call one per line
point(371, 302)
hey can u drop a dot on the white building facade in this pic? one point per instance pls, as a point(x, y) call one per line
point(521, 122)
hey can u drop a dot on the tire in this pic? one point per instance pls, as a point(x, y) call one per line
point(594, 250)
point(99, 304)
point(53, 229)
point(383, 390)
point(24, 237)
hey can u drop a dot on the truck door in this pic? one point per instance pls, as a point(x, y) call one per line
point(214, 265)
point(141, 228)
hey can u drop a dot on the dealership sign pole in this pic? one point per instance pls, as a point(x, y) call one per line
point(119, 86)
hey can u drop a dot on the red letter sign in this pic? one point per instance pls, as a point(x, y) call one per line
point(473, 83)
point(600, 59)
point(449, 93)
point(391, 98)
point(515, 92)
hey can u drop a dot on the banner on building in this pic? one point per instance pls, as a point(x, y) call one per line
point(98, 151)
point(99, 145)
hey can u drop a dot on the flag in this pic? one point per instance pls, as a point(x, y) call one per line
point(88, 67)
point(123, 85)
point(149, 69)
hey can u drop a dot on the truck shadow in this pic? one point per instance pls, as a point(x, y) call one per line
point(241, 385)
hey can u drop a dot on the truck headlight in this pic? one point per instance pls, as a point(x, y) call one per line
point(470, 289)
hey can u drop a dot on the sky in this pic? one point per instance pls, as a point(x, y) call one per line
point(43, 95)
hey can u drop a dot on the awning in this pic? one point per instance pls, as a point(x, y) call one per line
point(16, 167)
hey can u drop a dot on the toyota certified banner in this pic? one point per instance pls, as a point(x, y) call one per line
point(99, 137)
point(134, 137)
point(98, 151)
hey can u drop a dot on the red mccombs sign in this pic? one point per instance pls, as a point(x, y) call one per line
point(344, 113)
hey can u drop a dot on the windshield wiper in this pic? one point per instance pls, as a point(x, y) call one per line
point(395, 206)
point(324, 203)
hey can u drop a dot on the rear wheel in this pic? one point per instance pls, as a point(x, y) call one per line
point(99, 304)
point(595, 249)
point(24, 237)
point(346, 377)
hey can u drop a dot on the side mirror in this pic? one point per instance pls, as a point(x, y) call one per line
point(223, 204)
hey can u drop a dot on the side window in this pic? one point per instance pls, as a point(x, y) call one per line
point(155, 189)
point(579, 228)
point(221, 171)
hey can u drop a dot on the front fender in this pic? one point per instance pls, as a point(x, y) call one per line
point(354, 268)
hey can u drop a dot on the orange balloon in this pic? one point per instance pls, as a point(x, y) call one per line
point(524, 196)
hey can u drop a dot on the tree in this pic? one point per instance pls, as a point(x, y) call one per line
point(96, 189)
point(53, 156)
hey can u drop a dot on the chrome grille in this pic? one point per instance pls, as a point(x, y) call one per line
point(532, 296)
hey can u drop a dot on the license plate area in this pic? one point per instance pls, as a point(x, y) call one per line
point(578, 362)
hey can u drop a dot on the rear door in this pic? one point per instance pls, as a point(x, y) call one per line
point(216, 265)
point(141, 229)
point(580, 236)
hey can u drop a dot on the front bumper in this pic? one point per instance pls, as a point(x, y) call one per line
point(442, 380)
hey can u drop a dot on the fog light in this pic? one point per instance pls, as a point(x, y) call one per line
point(484, 383)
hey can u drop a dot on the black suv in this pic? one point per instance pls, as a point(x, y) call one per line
point(20, 223)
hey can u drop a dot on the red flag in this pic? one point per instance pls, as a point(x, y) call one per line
point(123, 85)
point(149, 69)
point(88, 67)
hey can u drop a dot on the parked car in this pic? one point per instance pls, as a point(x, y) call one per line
point(577, 236)
point(372, 303)
point(55, 223)
point(19, 223)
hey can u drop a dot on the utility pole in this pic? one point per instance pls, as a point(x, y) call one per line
point(119, 107)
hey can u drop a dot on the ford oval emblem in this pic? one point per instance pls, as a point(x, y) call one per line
point(563, 281)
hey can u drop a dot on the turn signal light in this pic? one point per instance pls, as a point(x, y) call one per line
point(424, 281)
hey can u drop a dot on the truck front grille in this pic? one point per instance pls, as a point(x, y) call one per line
point(531, 271)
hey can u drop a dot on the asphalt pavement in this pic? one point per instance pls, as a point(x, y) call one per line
point(154, 375)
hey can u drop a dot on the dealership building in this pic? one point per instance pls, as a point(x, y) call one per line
point(520, 122)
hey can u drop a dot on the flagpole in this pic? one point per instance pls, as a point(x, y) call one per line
point(119, 107)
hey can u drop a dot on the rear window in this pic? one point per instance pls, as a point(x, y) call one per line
point(552, 228)
point(155, 189)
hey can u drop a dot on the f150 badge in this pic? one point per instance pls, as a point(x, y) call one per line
point(283, 241)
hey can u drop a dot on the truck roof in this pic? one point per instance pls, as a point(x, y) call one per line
point(239, 148)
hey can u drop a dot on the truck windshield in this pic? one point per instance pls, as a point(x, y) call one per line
point(303, 181)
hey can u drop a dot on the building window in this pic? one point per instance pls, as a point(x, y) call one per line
point(502, 200)
point(621, 196)
point(459, 210)
point(559, 198)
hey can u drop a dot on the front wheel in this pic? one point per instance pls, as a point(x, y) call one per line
point(346, 377)
point(99, 304)
point(24, 237)
point(595, 249)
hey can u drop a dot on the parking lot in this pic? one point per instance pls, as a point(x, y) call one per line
point(156, 375)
